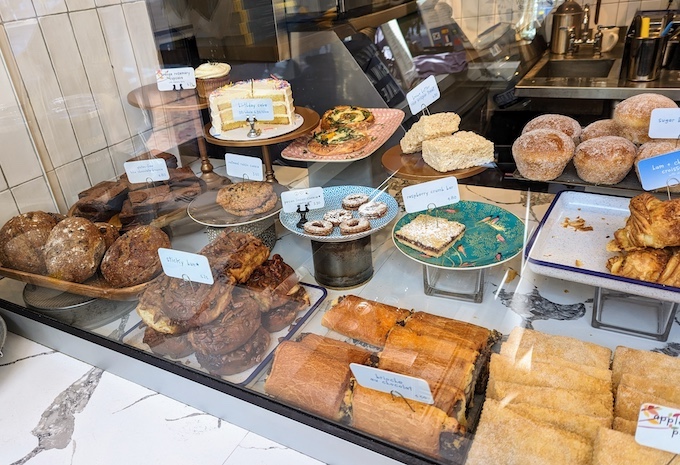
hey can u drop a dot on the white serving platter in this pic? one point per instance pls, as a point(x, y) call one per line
point(555, 249)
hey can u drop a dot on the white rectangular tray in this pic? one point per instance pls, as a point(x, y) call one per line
point(554, 249)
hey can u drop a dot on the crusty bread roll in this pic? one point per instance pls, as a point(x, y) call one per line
point(429, 127)
point(604, 160)
point(133, 258)
point(659, 147)
point(561, 123)
point(74, 250)
point(542, 154)
point(462, 150)
point(22, 241)
point(633, 115)
point(603, 127)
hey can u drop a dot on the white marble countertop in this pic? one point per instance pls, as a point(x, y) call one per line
point(56, 410)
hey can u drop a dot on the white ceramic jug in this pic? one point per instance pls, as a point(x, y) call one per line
point(610, 37)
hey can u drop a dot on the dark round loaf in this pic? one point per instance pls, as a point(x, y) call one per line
point(109, 232)
point(248, 355)
point(133, 258)
point(22, 241)
point(74, 250)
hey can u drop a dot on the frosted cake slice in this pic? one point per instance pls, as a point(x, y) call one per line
point(430, 235)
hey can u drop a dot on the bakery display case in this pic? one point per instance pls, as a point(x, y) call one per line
point(362, 284)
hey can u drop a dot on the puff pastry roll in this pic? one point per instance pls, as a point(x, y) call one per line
point(364, 320)
point(652, 223)
point(339, 350)
point(480, 337)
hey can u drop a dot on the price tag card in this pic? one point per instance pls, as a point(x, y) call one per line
point(151, 170)
point(175, 79)
point(423, 95)
point(660, 171)
point(407, 387)
point(241, 166)
point(431, 194)
point(260, 108)
point(184, 265)
point(659, 427)
point(311, 198)
point(664, 123)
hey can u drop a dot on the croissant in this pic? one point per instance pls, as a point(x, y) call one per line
point(653, 265)
point(652, 223)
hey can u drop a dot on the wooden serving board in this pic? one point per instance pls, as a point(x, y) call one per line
point(95, 287)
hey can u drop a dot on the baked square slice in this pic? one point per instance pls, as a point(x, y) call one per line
point(430, 235)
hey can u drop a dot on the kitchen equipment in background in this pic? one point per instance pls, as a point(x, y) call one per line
point(610, 37)
point(567, 16)
point(646, 43)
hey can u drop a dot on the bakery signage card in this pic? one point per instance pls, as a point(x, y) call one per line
point(241, 166)
point(175, 79)
point(664, 123)
point(184, 265)
point(659, 427)
point(396, 384)
point(431, 194)
point(298, 200)
point(423, 95)
point(660, 171)
point(145, 171)
point(261, 109)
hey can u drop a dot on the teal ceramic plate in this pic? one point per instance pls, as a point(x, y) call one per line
point(492, 236)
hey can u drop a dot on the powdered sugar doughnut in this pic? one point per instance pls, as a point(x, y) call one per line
point(354, 201)
point(633, 115)
point(373, 209)
point(604, 160)
point(337, 216)
point(318, 227)
point(354, 226)
point(561, 123)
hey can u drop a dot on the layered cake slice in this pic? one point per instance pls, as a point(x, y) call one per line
point(278, 90)
point(430, 235)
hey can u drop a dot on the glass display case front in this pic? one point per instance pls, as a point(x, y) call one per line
point(237, 205)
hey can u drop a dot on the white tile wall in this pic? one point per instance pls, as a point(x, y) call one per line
point(77, 5)
point(100, 167)
point(75, 88)
point(33, 195)
point(49, 7)
point(13, 10)
point(72, 179)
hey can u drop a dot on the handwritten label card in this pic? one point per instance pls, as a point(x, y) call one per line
point(423, 95)
point(175, 79)
point(664, 123)
point(659, 427)
point(241, 166)
point(312, 198)
point(660, 171)
point(260, 108)
point(395, 383)
point(151, 170)
point(184, 265)
point(431, 194)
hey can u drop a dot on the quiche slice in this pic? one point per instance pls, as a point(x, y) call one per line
point(337, 141)
point(346, 115)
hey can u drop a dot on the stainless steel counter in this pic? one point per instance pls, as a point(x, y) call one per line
point(539, 82)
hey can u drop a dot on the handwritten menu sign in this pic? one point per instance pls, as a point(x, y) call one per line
point(241, 166)
point(311, 199)
point(151, 170)
point(394, 383)
point(184, 265)
point(259, 108)
point(664, 123)
point(659, 427)
point(432, 194)
point(423, 95)
point(660, 171)
point(175, 79)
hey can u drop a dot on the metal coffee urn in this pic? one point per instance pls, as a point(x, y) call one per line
point(566, 16)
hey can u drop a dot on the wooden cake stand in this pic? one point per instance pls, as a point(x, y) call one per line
point(150, 98)
point(310, 121)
